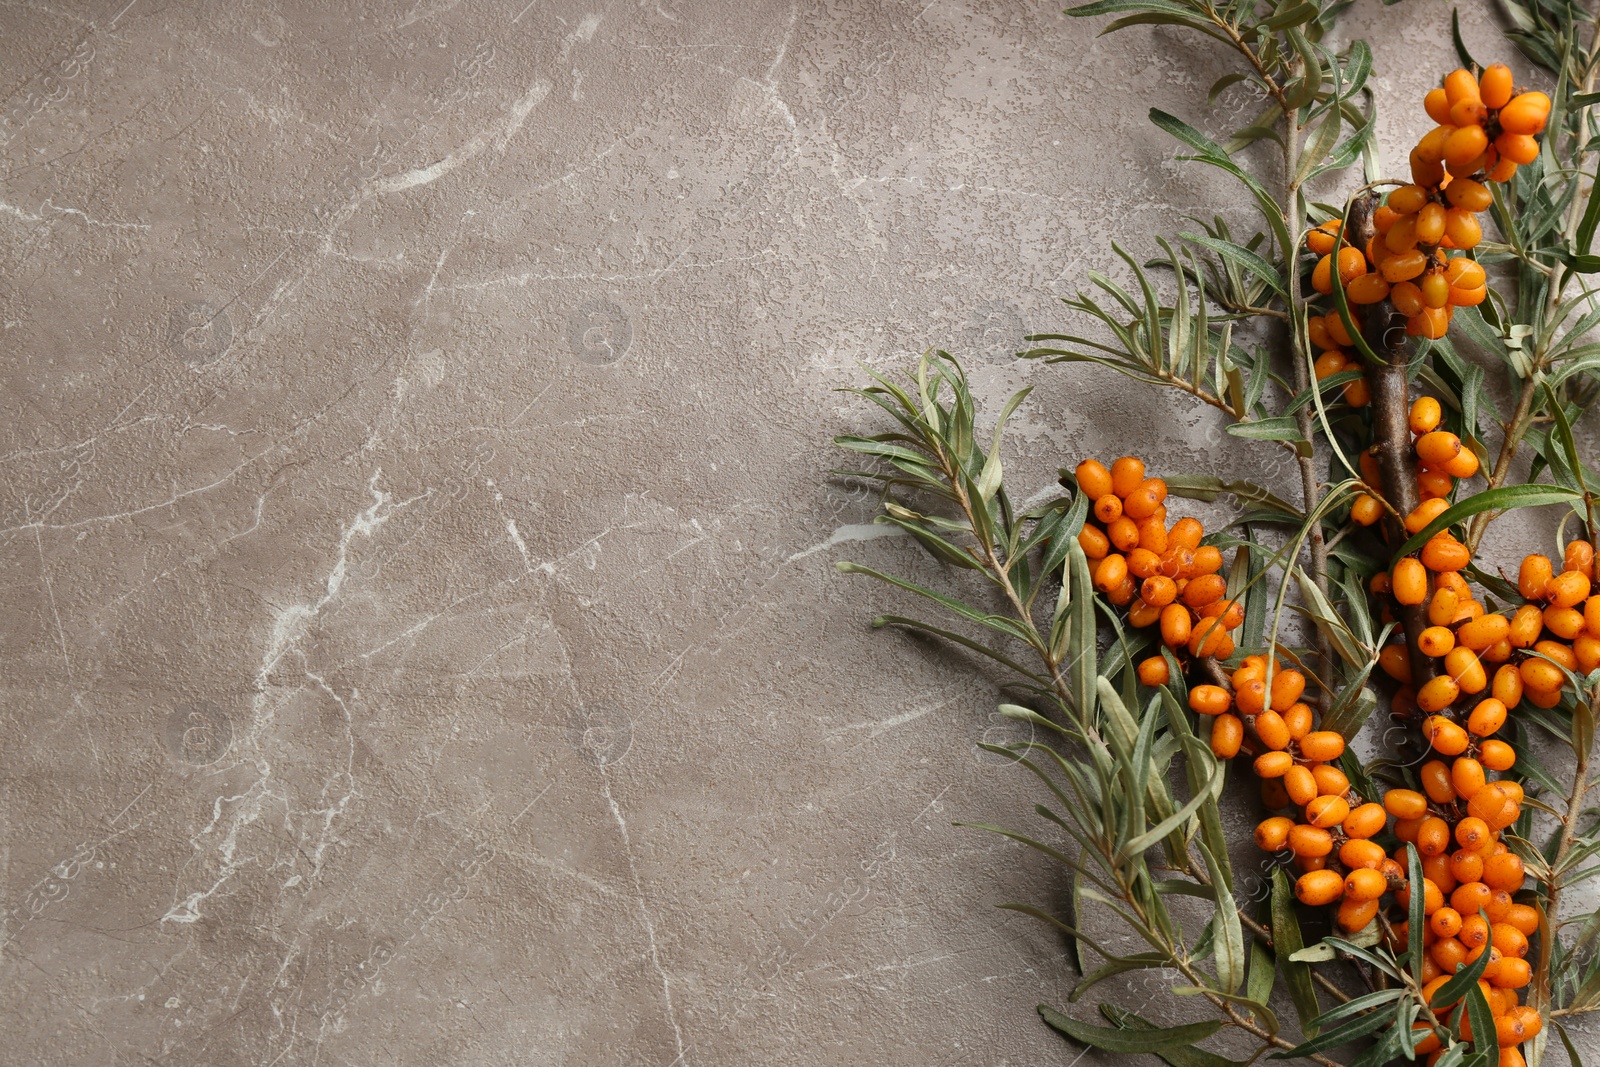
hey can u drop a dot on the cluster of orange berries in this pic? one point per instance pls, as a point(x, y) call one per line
point(1441, 459)
point(1163, 576)
point(1484, 132)
point(1469, 874)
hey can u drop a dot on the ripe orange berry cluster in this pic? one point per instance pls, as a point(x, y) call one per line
point(1327, 331)
point(1484, 132)
point(1469, 876)
point(1559, 623)
point(1163, 576)
point(1441, 459)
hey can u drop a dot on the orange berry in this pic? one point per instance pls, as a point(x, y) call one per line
point(1425, 415)
point(1433, 837)
point(1434, 776)
point(1466, 774)
point(1435, 641)
point(1460, 85)
point(1366, 820)
point(1227, 736)
point(1297, 718)
point(1437, 104)
point(1327, 812)
point(1466, 865)
point(1272, 834)
point(1124, 533)
point(1541, 678)
point(1464, 667)
point(1331, 781)
point(1533, 577)
point(1395, 663)
point(1157, 590)
point(1437, 694)
point(1272, 730)
point(1425, 513)
point(1487, 717)
point(1126, 474)
point(1094, 542)
point(1504, 872)
point(1273, 764)
point(1094, 481)
point(1438, 446)
point(1524, 918)
point(1300, 785)
point(1525, 114)
point(1110, 572)
point(1462, 227)
point(1175, 626)
point(1369, 288)
point(1310, 841)
point(1153, 671)
point(1405, 804)
point(1497, 755)
point(1185, 533)
point(1406, 265)
point(1354, 915)
point(1366, 510)
point(1526, 625)
point(1365, 883)
point(1435, 293)
point(1468, 195)
point(1407, 299)
point(1463, 146)
point(1318, 888)
point(1579, 557)
point(1485, 630)
point(1517, 147)
point(1494, 86)
point(1410, 579)
point(1361, 853)
point(1209, 699)
point(1557, 651)
point(1446, 922)
point(1464, 465)
point(1567, 589)
point(1323, 746)
point(1443, 552)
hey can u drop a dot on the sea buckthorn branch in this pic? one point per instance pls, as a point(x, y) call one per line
point(1419, 877)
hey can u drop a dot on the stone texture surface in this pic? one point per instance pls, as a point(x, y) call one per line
point(419, 639)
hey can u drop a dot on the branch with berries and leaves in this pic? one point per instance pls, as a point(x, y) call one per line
point(1415, 904)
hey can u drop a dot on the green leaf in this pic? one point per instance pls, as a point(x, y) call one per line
point(1177, 1057)
point(1004, 625)
point(1263, 971)
point(1298, 15)
point(1483, 1029)
point(1229, 934)
point(1415, 917)
point(1221, 84)
point(966, 642)
point(1243, 257)
point(1207, 488)
point(1339, 1035)
point(1505, 498)
point(1121, 965)
point(1286, 941)
point(1319, 145)
point(1278, 428)
point(1455, 39)
point(1114, 1039)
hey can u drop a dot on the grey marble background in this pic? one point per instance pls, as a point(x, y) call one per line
point(419, 640)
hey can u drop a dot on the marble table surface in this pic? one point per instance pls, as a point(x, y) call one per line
point(419, 636)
